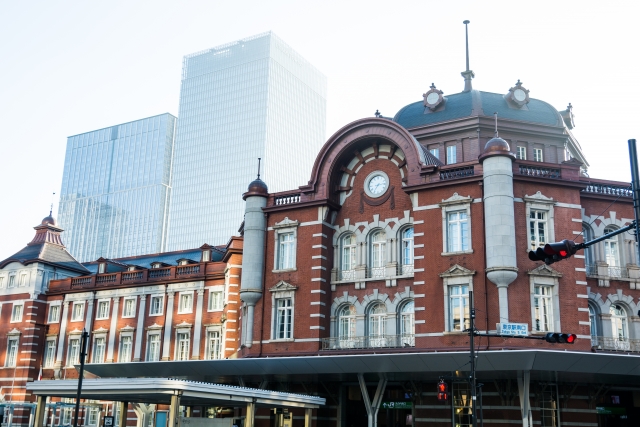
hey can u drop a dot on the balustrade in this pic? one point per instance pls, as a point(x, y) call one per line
point(539, 171)
point(378, 341)
point(456, 173)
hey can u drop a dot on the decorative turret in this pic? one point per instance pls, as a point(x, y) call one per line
point(253, 253)
point(500, 230)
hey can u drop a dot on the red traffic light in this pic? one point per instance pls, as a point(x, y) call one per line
point(443, 391)
point(558, 338)
point(553, 252)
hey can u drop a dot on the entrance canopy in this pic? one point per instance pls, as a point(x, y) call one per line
point(160, 390)
point(578, 366)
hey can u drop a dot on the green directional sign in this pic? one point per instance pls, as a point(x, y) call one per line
point(611, 410)
point(396, 405)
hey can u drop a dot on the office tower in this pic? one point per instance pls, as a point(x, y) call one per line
point(251, 98)
point(116, 188)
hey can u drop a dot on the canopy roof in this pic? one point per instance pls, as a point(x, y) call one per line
point(160, 390)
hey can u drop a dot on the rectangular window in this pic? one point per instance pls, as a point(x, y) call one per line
point(286, 251)
point(457, 231)
point(66, 412)
point(156, 306)
point(458, 307)
point(129, 308)
point(77, 313)
point(186, 303)
point(23, 280)
point(214, 345)
point(12, 281)
point(103, 310)
point(1, 282)
point(73, 356)
point(522, 153)
point(93, 416)
point(215, 300)
point(284, 318)
point(125, 349)
point(12, 352)
point(537, 228)
point(435, 152)
point(54, 314)
point(98, 350)
point(153, 348)
point(182, 350)
point(16, 313)
point(542, 300)
point(451, 154)
point(49, 353)
point(537, 154)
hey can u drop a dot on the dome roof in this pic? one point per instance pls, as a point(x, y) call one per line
point(477, 103)
point(496, 146)
point(256, 188)
point(48, 220)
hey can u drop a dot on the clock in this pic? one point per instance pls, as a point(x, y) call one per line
point(433, 98)
point(518, 96)
point(376, 184)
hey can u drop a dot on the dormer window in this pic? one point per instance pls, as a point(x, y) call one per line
point(102, 268)
point(131, 268)
point(156, 265)
point(183, 262)
point(206, 255)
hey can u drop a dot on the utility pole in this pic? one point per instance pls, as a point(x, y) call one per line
point(635, 186)
point(472, 378)
point(83, 354)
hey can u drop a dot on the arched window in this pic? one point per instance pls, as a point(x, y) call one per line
point(377, 259)
point(593, 325)
point(377, 325)
point(407, 324)
point(587, 234)
point(348, 250)
point(347, 325)
point(619, 328)
point(407, 250)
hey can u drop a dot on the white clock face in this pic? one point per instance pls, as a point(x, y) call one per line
point(519, 95)
point(433, 98)
point(377, 184)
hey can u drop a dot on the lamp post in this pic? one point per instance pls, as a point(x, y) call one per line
point(83, 354)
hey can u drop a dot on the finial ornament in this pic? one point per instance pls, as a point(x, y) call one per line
point(467, 74)
point(259, 167)
point(496, 118)
point(378, 113)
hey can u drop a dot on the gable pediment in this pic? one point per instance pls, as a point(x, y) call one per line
point(283, 286)
point(457, 270)
point(456, 199)
point(544, 270)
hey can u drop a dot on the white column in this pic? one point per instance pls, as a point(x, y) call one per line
point(307, 417)
point(166, 344)
point(63, 331)
point(197, 328)
point(372, 406)
point(112, 329)
point(140, 328)
point(250, 415)
point(523, 389)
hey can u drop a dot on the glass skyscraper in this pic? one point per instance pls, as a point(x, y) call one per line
point(251, 98)
point(116, 188)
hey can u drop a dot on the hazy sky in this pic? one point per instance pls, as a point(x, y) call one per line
point(75, 66)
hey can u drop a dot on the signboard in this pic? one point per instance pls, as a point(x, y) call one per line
point(611, 410)
point(520, 329)
point(108, 421)
point(396, 405)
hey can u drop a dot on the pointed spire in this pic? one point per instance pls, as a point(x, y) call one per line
point(467, 74)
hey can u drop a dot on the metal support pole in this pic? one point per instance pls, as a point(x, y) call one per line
point(83, 354)
point(472, 378)
point(40, 411)
point(635, 186)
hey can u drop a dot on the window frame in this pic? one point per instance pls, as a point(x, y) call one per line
point(377, 324)
point(464, 298)
point(22, 282)
point(283, 291)
point(73, 311)
point(344, 272)
point(545, 276)
point(12, 281)
point(538, 155)
point(153, 333)
point(17, 318)
point(451, 154)
point(8, 361)
point(125, 336)
point(49, 357)
point(521, 152)
point(50, 319)
point(218, 290)
point(124, 307)
point(543, 307)
point(454, 276)
point(351, 322)
point(407, 267)
point(403, 316)
point(178, 342)
point(280, 229)
point(435, 152)
point(456, 203)
point(159, 297)
point(102, 302)
point(185, 310)
point(75, 338)
point(94, 347)
point(539, 202)
point(210, 331)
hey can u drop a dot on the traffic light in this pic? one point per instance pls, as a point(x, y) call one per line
point(553, 252)
point(443, 391)
point(558, 338)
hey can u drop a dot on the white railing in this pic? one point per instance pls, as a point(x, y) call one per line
point(378, 341)
point(287, 200)
point(616, 344)
point(345, 275)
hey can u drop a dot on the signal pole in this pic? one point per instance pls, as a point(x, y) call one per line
point(635, 186)
point(472, 379)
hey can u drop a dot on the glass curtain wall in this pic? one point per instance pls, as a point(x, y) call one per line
point(115, 189)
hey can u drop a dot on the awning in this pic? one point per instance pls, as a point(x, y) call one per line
point(160, 390)
point(544, 364)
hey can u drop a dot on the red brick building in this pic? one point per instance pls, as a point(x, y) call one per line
point(355, 286)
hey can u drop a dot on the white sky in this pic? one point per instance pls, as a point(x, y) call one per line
point(75, 66)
